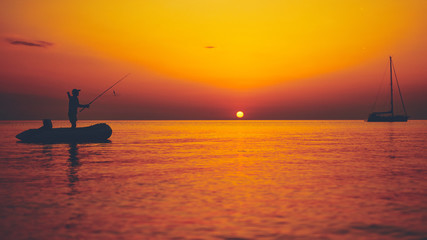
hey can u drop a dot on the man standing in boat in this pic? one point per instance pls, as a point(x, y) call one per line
point(73, 105)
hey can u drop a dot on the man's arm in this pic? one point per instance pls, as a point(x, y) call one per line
point(81, 105)
point(84, 106)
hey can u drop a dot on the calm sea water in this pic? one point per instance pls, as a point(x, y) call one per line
point(218, 180)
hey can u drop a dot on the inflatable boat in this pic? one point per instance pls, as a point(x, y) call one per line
point(96, 133)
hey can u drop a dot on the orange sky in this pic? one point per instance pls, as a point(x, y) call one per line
point(295, 59)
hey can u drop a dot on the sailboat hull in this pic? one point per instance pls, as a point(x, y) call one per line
point(378, 118)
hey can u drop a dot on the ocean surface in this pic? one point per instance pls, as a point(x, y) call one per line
point(226, 180)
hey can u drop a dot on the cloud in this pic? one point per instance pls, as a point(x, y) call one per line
point(43, 44)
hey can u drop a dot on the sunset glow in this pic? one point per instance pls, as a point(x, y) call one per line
point(201, 54)
point(265, 43)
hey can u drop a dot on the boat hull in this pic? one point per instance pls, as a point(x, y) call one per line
point(379, 118)
point(95, 133)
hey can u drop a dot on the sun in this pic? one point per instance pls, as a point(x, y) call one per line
point(239, 114)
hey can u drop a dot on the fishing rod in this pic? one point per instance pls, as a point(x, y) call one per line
point(121, 79)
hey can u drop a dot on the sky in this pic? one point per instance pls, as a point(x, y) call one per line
point(192, 59)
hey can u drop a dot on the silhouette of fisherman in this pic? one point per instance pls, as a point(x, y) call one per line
point(73, 105)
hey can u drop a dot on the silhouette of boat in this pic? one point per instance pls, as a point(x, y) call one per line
point(96, 133)
point(390, 116)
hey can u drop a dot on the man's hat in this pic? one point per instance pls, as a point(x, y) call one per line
point(75, 90)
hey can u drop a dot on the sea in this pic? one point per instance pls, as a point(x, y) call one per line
point(225, 180)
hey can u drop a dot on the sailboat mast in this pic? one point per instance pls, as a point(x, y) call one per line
point(391, 87)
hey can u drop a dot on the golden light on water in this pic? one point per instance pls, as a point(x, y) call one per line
point(240, 114)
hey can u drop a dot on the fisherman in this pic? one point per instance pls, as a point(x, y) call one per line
point(73, 105)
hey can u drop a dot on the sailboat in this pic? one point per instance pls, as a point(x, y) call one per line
point(390, 116)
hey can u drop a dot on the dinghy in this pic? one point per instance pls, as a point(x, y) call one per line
point(96, 133)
